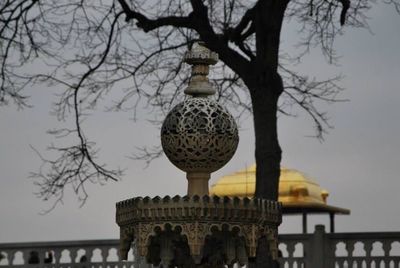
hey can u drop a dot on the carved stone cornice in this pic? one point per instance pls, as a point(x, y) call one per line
point(207, 209)
point(237, 222)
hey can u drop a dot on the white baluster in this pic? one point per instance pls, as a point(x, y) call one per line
point(57, 255)
point(10, 256)
point(104, 254)
point(368, 250)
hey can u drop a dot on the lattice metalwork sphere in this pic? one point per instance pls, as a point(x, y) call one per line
point(199, 135)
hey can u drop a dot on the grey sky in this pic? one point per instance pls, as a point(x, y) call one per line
point(358, 162)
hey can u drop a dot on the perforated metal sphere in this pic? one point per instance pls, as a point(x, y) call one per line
point(199, 135)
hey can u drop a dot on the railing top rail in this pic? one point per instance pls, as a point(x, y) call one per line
point(297, 237)
point(365, 236)
point(104, 242)
point(114, 242)
point(60, 244)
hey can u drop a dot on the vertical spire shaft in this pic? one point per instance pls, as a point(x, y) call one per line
point(200, 58)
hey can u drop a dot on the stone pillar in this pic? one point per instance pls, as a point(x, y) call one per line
point(319, 252)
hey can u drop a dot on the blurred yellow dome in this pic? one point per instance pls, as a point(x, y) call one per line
point(297, 192)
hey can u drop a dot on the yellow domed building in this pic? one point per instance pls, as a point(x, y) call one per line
point(298, 193)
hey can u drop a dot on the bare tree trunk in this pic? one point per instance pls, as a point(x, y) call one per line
point(265, 88)
point(268, 152)
point(263, 259)
point(264, 96)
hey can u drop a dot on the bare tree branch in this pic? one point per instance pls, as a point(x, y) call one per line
point(85, 51)
point(76, 164)
point(148, 24)
point(147, 154)
point(345, 8)
point(304, 92)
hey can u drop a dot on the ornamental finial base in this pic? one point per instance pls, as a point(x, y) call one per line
point(207, 230)
point(197, 183)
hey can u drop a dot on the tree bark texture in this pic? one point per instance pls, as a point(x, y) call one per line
point(268, 152)
point(264, 97)
point(265, 87)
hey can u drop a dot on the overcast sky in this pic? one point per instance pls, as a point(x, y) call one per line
point(358, 163)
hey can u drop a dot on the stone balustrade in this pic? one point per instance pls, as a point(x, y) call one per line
point(66, 254)
point(340, 250)
point(373, 250)
point(317, 250)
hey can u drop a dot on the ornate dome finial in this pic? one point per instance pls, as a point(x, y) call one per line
point(200, 58)
point(199, 136)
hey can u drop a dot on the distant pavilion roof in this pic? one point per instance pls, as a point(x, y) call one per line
point(297, 192)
